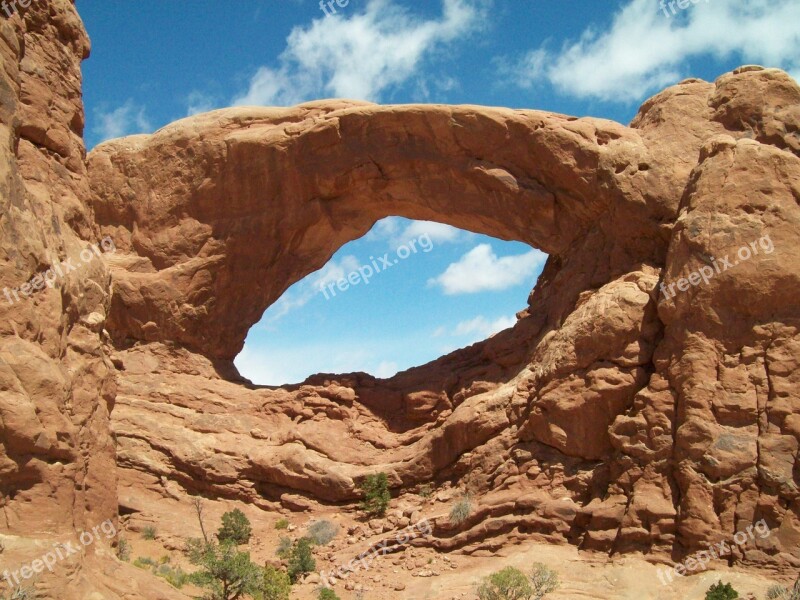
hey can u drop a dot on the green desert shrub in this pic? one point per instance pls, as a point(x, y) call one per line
point(149, 532)
point(322, 532)
point(327, 594)
point(508, 584)
point(301, 561)
point(721, 591)
point(123, 550)
point(225, 572)
point(235, 528)
point(282, 524)
point(144, 562)
point(376, 494)
point(284, 547)
point(175, 576)
point(543, 581)
point(461, 510)
point(276, 584)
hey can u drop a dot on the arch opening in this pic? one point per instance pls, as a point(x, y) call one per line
point(400, 296)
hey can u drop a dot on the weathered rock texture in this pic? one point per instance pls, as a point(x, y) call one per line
point(57, 457)
point(611, 416)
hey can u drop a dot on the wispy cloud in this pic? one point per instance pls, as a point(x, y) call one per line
point(276, 366)
point(481, 270)
point(199, 102)
point(471, 331)
point(304, 290)
point(645, 49)
point(396, 231)
point(481, 327)
point(127, 119)
point(358, 55)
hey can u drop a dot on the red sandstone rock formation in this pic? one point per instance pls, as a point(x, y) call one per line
point(667, 421)
point(668, 417)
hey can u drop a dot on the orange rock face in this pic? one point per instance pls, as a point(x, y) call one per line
point(646, 399)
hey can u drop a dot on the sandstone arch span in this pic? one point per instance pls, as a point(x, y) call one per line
point(225, 211)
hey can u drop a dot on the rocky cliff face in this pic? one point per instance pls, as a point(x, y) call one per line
point(57, 457)
point(646, 399)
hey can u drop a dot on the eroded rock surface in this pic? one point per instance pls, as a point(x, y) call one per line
point(627, 410)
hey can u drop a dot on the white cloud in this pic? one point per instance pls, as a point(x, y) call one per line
point(481, 270)
point(392, 230)
point(386, 369)
point(126, 119)
point(199, 102)
point(471, 331)
point(481, 327)
point(277, 366)
point(357, 55)
point(438, 233)
point(644, 49)
point(304, 290)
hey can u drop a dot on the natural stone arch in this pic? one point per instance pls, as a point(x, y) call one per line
point(217, 215)
point(621, 393)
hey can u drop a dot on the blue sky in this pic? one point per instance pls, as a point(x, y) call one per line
point(153, 62)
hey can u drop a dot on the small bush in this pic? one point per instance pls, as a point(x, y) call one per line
point(721, 591)
point(227, 573)
point(176, 577)
point(327, 594)
point(461, 510)
point(426, 490)
point(235, 528)
point(21, 593)
point(508, 584)
point(276, 584)
point(543, 581)
point(284, 547)
point(149, 533)
point(123, 550)
point(301, 560)
point(144, 562)
point(376, 494)
point(777, 592)
point(282, 524)
point(322, 532)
